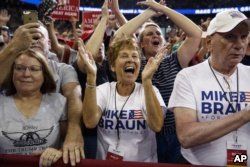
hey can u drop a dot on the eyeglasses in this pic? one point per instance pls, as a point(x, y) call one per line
point(34, 69)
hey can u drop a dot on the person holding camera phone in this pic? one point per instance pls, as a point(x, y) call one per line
point(35, 36)
point(4, 29)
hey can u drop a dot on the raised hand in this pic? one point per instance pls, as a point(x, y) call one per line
point(79, 32)
point(4, 17)
point(146, 2)
point(162, 2)
point(114, 5)
point(152, 4)
point(119, 17)
point(153, 64)
point(105, 9)
point(49, 156)
point(63, 2)
point(88, 60)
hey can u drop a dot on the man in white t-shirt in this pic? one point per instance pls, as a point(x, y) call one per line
point(210, 100)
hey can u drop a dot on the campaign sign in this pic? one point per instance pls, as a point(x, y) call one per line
point(88, 18)
point(66, 9)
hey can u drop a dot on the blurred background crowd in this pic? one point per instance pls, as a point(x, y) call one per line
point(66, 37)
point(15, 7)
point(172, 33)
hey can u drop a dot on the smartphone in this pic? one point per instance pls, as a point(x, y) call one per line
point(30, 16)
point(46, 8)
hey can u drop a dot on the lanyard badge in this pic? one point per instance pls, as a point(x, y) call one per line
point(115, 154)
point(236, 152)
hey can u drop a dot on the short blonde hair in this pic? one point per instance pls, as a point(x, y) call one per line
point(120, 43)
point(144, 26)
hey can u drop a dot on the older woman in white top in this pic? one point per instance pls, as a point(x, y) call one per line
point(126, 113)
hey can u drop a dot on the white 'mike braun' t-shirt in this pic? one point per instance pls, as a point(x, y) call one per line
point(137, 140)
point(196, 88)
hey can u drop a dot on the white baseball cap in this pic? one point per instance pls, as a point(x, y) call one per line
point(226, 20)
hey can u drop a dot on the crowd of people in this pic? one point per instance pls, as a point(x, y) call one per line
point(129, 95)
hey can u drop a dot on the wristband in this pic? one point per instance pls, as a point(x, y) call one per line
point(90, 86)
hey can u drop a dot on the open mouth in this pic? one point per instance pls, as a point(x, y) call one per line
point(129, 70)
point(156, 43)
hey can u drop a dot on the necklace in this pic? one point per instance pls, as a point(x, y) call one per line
point(237, 74)
point(235, 136)
point(118, 117)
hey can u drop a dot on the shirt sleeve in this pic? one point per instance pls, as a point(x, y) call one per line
point(182, 94)
point(73, 56)
point(102, 95)
point(160, 99)
point(68, 74)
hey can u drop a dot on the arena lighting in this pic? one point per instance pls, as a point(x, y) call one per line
point(182, 11)
point(34, 2)
point(138, 11)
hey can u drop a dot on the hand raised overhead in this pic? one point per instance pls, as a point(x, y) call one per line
point(105, 9)
point(87, 58)
point(153, 5)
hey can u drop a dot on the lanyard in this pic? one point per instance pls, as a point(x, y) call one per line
point(118, 116)
point(229, 102)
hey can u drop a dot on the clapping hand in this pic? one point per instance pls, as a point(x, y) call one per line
point(151, 3)
point(88, 60)
point(114, 5)
point(153, 64)
point(4, 17)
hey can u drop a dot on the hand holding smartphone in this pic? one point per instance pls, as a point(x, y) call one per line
point(30, 16)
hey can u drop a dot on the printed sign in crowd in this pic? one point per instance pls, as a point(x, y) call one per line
point(88, 18)
point(66, 10)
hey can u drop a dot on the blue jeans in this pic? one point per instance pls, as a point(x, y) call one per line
point(168, 148)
